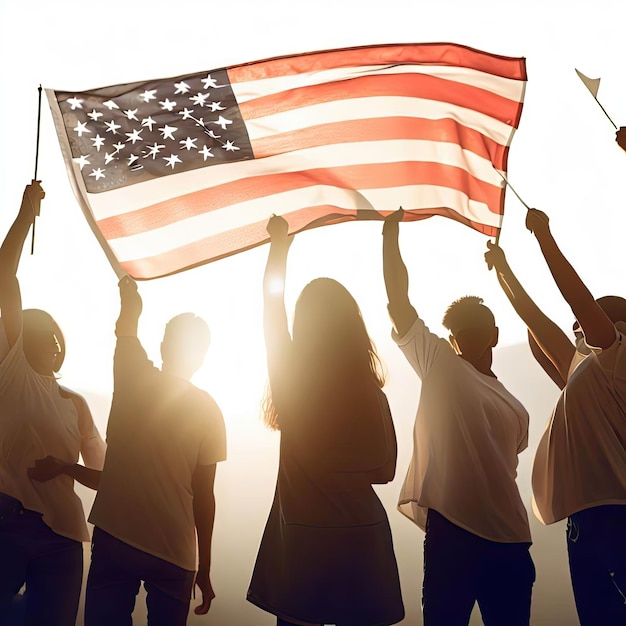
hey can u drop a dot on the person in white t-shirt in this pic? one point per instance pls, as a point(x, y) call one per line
point(460, 486)
point(42, 525)
point(579, 471)
point(155, 508)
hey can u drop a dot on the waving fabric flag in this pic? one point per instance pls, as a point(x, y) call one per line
point(173, 173)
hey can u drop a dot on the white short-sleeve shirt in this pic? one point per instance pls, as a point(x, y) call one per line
point(468, 432)
point(160, 429)
point(38, 418)
point(581, 458)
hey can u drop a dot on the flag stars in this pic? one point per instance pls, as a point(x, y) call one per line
point(109, 104)
point(98, 142)
point(206, 152)
point(171, 160)
point(112, 127)
point(82, 160)
point(108, 158)
point(199, 99)
point(188, 143)
point(131, 114)
point(216, 106)
point(148, 94)
point(75, 103)
point(135, 136)
point(153, 150)
point(168, 131)
point(119, 146)
point(131, 159)
point(210, 83)
point(181, 87)
point(167, 104)
point(94, 115)
point(81, 128)
point(149, 122)
point(186, 113)
point(229, 146)
point(98, 173)
point(223, 122)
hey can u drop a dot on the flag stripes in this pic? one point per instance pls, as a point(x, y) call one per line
point(336, 136)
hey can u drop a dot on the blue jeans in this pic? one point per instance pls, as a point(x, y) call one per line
point(461, 568)
point(116, 572)
point(596, 547)
point(51, 567)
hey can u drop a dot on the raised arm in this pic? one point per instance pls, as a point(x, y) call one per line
point(552, 341)
point(276, 328)
point(10, 253)
point(401, 311)
point(130, 308)
point(597, 327)
point(202, 484)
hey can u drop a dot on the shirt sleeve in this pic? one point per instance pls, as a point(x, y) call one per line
point(421, 347)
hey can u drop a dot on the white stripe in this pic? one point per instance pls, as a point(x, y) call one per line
point(127, 199)
point(187, 231)
point(377, 107)
point(510, 88)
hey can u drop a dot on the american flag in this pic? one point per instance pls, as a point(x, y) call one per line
point(173, 173)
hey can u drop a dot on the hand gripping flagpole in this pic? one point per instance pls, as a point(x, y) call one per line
point(32, 243)
point(593, 84)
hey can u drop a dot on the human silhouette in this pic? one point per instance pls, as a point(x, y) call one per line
point(460, 485)
point(326, 556)
point(154, 509)
point(42, 525)
point(579, 471)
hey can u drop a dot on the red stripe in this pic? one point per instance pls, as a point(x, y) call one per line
point(368, 176)
point(426, 54)
point(388, 85)
point(376, 129)
point(252, 235)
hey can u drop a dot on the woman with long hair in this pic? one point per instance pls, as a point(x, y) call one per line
point(326, 556)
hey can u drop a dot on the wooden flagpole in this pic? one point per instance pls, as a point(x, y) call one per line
point(508, 184)
point(32, 243)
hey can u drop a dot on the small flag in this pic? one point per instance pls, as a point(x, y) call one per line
point(593, 84)
point(173, 173)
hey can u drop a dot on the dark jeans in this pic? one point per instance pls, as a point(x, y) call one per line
point(461, 568)
point(116, 572)
point(596, 546)
point(50, 565)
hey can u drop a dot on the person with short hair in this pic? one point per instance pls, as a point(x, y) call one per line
point(579, 472)
point(155, 508)
point(460, 487)
point(42, 525)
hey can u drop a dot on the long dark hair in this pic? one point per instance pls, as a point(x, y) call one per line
point(330, 348)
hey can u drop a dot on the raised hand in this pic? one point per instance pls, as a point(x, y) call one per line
point(31, 200)
point(620, 137)
point(537, 222)
point(494, 257)
point(392, 220)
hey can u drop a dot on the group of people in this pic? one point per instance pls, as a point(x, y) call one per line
point(326, 555)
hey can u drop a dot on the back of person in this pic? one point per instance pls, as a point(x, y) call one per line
point(156, 434)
